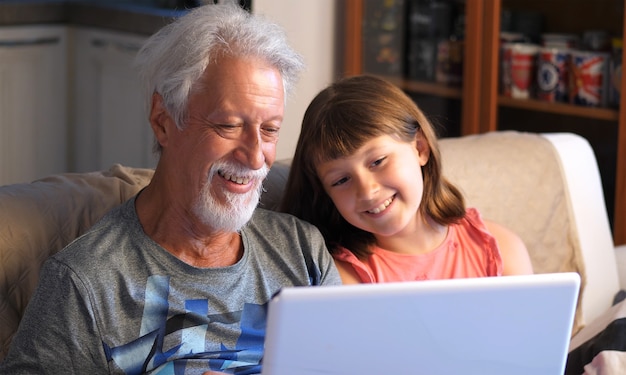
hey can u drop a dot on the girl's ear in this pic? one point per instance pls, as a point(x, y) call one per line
point(423, 149)
point(160, 120)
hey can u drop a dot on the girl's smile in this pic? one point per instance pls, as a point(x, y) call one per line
point(378, 188)
point(382, 207)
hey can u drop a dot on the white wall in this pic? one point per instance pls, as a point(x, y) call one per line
point(310, 27)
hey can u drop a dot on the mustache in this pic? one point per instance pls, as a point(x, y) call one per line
point(236, 169)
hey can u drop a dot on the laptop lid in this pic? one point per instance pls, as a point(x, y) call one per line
point(497, 325)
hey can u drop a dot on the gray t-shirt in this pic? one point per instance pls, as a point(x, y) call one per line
point(115, 302)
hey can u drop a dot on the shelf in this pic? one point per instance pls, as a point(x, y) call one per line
point(607, 114)
point(428, 88)
point(432, 88)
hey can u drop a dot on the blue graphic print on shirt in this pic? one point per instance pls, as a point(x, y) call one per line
point(185, 336)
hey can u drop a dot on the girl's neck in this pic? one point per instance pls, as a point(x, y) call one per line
point(426, 236)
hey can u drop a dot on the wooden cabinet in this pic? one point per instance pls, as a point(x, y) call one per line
point(483, 109)
point(33, 105)
point(110, 115)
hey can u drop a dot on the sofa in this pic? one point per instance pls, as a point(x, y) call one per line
point(545, 187)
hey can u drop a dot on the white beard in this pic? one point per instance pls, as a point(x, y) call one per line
point(236, 211)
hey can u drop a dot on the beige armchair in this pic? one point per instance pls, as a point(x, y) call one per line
point(547, 188)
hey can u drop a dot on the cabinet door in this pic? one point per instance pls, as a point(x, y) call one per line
point(110, 123)
point(33, 114)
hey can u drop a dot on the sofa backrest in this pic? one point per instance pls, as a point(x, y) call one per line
point(513, 178)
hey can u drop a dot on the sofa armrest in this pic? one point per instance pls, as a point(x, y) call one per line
point(586, 197)
point(620, 259)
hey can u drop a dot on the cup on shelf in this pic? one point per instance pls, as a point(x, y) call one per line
point(552, 74)
point(560, 40)
point(518, 69)
point(512, 37)
point(596, 40)
point(589, 78)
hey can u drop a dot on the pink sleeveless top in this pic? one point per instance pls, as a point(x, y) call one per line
point(468, 251)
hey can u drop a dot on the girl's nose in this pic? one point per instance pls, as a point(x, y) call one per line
point(367, 187)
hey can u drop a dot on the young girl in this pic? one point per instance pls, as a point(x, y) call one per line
point(368, 165)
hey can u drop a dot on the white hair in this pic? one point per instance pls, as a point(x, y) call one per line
point(172, 60)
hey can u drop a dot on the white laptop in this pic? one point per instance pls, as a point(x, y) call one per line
point(498, 325)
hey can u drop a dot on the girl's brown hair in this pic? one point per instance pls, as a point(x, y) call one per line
point(339, 120)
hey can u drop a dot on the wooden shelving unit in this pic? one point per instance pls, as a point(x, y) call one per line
point(479, 93)
point(429, 88)
point(560, 108)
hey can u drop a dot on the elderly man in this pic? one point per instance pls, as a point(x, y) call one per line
point(176, 280)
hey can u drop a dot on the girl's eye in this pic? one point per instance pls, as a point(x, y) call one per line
point(378, 161)
point(340, 181)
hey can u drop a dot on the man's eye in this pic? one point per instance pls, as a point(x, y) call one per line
point(270, 132)
point(227, 130)
point(226, 127)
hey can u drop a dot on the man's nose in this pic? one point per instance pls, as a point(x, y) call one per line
point(250, 150)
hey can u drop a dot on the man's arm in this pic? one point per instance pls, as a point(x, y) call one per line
point(57, 334)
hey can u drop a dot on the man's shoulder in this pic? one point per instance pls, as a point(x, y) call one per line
point(98, 238)
point(262, 215)
point(268, 221)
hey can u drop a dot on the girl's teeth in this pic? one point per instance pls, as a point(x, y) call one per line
point(382, 207)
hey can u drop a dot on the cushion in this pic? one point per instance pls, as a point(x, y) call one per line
point(507, 175)
point(38, 219)
point(274, 184)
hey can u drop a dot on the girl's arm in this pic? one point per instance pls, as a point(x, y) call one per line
point(515, 258)
point(347, 272)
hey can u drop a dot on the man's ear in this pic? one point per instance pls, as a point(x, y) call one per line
point(423, 149)
point(160, 120)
